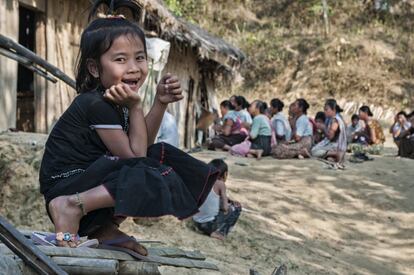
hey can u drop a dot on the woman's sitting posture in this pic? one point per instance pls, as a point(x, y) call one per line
point(218, 214)
point(371, 138)
point(231, 132)
point(399, 127)
point(261, 131)
point(302, 135)
point(333, 146)
point(406, 148)
point(280, 123)
point(240, 107)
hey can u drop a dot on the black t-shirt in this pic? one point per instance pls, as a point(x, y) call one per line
point(74, 144)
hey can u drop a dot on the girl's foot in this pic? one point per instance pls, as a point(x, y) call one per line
point(111, 232)
point(66, 215)
point(217, 235)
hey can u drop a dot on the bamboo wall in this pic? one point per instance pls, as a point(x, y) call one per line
point(8, 68)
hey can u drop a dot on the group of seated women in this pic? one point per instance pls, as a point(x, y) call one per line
point(256, 130)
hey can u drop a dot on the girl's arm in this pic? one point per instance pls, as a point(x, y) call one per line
point(168, 91)
point(116, 140)
point(223, 196)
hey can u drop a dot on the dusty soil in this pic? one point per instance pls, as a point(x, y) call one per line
point(313, 219)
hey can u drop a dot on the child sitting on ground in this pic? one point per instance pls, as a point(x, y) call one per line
point(218, 214)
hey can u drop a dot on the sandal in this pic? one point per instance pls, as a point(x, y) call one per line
point(40, 238)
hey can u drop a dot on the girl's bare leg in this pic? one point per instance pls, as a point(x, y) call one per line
point(66, 215)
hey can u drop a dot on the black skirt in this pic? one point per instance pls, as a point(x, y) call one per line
point(166, 182)
point(263, 143)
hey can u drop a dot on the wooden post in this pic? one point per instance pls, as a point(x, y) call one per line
point(87, 266)
point(134, 267)
point(28, 252)
point(325, 17)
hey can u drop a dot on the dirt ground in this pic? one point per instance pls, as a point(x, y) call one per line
point(297, 212)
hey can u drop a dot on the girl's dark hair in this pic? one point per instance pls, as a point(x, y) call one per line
point(402, 113)
point(331, 103)
point(355, 116)
point(261, 105)
point(277, 104)
point(366, 109)
point(320, 116)
point(245, 103)
point(239, 100)
point(220, 165)
point(98, 37)
point(303, 105)
point(227, 104)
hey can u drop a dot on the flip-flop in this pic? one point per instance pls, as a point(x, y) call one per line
point(111, 245)
point(50, 240)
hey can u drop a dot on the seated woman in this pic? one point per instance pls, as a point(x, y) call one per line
point(230, 133)
point(399, 127)
point(280, 123)
point(240, 105)
point(302, 135)
point(320, 127)
point(333, 146)
point(371, 138)
point(407, 140)
point(218, 214)
point(261, 131)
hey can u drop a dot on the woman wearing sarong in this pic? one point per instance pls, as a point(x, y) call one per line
point(302, 136)
point(371, 139)
point(333, 146)
point(231, 132)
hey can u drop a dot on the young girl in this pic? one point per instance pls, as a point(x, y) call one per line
point(218, 214)
point(97, 168)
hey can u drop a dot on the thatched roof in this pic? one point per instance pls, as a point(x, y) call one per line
point(209, 47)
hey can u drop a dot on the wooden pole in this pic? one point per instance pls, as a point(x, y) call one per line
point(7, 43)
point(325, 17)
point(87, 266)
point(26, 62)
point(28, 252)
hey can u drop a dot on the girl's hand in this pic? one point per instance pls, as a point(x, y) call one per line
point(122, 94)
point(169, 89)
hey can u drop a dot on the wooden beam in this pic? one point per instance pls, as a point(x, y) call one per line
point(26, 63)
point(38, 5)
point(28, 252)
point(134, 267)
point(8, 43)
point(87, 266)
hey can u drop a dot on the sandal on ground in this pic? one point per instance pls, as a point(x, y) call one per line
point(40, 238)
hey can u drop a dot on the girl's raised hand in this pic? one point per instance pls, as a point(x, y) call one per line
point(123, 95)
point(169, 89)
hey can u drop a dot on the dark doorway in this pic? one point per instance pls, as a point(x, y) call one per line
point(25, 79)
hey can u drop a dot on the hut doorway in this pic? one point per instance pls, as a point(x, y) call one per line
point(25, 79)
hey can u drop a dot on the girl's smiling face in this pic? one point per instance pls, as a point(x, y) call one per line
point(124, 62)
